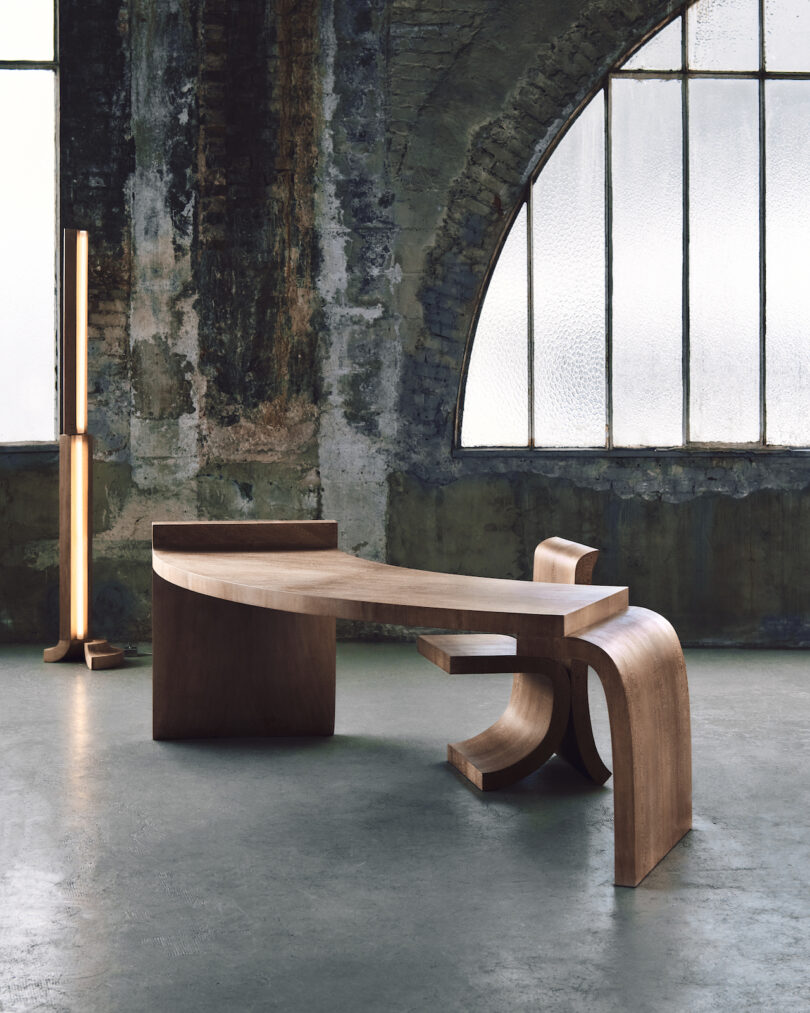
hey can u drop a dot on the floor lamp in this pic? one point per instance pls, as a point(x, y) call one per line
point(76, 471)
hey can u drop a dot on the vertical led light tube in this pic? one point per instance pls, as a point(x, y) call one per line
point(79, 464)
point(79, 484)
point(75, 470)
point(81, 332)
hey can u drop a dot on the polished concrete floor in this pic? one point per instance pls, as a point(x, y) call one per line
point(361, 873)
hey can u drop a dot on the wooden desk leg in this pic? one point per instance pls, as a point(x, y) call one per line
point(577, 745)
point(638, 658)
point(524, 736)
point(224, 669)
point(528, 732)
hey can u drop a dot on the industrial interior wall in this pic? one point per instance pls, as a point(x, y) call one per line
point(292, 207)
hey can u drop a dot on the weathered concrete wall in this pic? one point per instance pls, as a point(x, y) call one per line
point(292, 208)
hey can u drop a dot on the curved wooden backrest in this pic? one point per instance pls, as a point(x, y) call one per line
point(560, 561)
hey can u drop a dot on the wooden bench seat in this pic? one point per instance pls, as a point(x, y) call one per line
point(244, 644)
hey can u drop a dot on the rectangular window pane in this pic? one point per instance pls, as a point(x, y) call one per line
point(647, 262)
point(787, 35)
point(568, 233)
point(724, 260)
point(26, 29)
point(27, 278)
point(662, 52)
point(723, 35)
point(496, 402)
point(787, 139)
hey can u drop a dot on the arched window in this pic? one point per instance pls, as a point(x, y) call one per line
point(652, 290)
point(27, 221)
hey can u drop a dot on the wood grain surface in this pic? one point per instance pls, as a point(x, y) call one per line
point(333, 583)
point(639, 660)
point(237, 535)
point(222, 669)
point(531, 728)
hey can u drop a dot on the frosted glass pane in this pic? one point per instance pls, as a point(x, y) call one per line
point(26, 29)
point(787, 117)
point(787, 34)
point(724, 260)
point(647, 262)
point(662, 52)
point(723, 35)
point(27, 276)
point(496, 408)
point(568, 232)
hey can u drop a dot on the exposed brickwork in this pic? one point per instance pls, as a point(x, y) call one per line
point(499, 157)
point(97, 157)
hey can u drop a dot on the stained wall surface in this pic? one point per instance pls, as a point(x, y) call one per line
point(292, 210)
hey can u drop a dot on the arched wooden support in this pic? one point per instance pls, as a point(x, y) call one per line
point(638, 658)
point(527, 733)
point(560, 561)
point(532, 708)
point(577, 745)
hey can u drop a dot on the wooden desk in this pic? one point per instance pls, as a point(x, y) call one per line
point(244, 645)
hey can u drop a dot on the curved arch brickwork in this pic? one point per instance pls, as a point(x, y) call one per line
point(500, 157)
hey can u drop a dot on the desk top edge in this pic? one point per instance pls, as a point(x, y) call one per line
point(334, 582)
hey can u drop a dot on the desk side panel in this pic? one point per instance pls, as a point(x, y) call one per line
point(223, 669)
point(234, 536)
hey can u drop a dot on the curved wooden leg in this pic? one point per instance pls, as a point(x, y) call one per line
point(524, 736)
point(638, 658)
point(577, 745)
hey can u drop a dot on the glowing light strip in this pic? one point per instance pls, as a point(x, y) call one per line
point(78, 537)
point(81, 332)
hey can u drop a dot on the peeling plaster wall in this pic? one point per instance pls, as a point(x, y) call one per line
point(292, 209)
point(358, 277)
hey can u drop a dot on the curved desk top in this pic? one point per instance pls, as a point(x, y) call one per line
point(294, 566)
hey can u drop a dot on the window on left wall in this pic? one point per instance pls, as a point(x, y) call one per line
point(28, 250)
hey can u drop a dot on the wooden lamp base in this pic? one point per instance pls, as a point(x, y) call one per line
point(96, 653)
point(75, 555)
point(100, 654)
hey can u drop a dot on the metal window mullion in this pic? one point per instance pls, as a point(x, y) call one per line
point(28, 65)
point(676, 75)
point(608, 270)
point(686, 379)
point(763, 407)
point(530, 299)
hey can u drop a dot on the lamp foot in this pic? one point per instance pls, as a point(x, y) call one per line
point(63, 651)
point(100, 654)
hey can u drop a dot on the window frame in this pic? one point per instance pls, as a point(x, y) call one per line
point(52, 65)
point(688, 448)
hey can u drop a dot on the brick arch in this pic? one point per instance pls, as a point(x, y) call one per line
point(483, 196)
